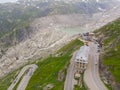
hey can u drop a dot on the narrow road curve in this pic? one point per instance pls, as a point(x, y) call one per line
point(91, 75)
point(25, 79)
point(69, 82)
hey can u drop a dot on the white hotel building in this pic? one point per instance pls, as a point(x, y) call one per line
point(81, 59)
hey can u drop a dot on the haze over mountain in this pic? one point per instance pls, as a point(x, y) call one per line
point(6, 1)
point(29, 24)
point(16, 16)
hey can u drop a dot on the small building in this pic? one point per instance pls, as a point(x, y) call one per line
point(81, 59)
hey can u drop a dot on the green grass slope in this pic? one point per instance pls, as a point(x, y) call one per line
point(111, 40)
point(48, 70)
point(6, 81)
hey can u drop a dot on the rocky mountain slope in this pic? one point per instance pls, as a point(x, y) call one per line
point(110, 56)
point(41, 43)
point(33, 29)
point(17, 15)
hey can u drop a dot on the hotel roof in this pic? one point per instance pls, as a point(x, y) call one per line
point(82, 55)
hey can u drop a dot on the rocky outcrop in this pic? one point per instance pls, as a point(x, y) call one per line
point(42, 42)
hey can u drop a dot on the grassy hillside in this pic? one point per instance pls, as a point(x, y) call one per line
point(48, 70)
point(6, 81)
point(111, 40)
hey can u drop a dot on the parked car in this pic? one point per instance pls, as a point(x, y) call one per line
point(98, 50)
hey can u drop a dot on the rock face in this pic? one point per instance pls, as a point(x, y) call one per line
point(61, 75)
point(48, 87)
point(42, 42)
point(45, 37)
point(16, 16)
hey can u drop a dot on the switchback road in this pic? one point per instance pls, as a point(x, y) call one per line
point(91, 75)
point(25, 78)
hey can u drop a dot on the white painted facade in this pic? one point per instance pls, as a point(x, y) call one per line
point(81, 59)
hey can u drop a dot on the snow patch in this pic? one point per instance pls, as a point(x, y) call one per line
point(101, 9)
point(97, 0)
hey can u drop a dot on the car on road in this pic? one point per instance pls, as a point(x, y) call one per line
point(98, 50)
point(98, 46)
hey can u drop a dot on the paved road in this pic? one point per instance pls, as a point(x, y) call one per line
point(91, 75)
point(25, 79)
point(69, 82)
